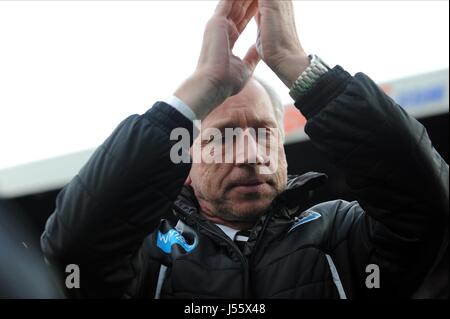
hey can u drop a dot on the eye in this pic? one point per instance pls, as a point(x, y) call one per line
point(206, 141)
point(216, 140)
point(264, 135)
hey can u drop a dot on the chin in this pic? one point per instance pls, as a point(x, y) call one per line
point(251, 209)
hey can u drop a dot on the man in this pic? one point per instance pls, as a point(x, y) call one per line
point(140, 225)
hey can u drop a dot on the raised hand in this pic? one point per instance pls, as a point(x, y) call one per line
point(219, 73)
point(278, 43)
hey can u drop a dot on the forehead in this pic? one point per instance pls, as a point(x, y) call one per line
point(252, 107)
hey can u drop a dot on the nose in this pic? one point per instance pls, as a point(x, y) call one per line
point(249, 151)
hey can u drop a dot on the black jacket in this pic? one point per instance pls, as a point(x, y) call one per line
point(134, 230)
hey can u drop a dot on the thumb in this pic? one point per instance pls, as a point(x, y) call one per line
point(258, 36)
point(252, 58)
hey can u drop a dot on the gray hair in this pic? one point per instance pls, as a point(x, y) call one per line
point(278, 107)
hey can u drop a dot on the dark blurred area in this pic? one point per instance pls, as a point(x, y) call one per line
point(23, 270)
point(22, 219)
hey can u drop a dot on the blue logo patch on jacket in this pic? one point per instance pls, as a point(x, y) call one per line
point(306, 217)
point(172, 237)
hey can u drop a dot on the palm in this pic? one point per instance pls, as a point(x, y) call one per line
point(277, 28)
point(217, 60)
point(278, 43)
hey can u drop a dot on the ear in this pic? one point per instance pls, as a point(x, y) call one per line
point(188, 180)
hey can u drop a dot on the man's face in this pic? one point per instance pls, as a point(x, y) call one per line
point(243, 188)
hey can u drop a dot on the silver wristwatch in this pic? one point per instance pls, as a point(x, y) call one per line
point(309, 77)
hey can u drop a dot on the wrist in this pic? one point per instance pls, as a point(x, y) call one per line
point(201, 94)
point(292, 67)
point(308, 79)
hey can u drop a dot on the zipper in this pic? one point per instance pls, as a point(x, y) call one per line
point(244, 261)
point(269, 216)
point(241, 257)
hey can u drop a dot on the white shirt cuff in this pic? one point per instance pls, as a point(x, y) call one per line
point(181, 107)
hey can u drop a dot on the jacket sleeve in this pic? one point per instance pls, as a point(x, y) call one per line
point(400, 222)
point(103, 215)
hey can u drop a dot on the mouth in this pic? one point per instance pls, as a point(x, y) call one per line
point(248, 186)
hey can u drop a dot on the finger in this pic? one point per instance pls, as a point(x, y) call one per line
point(252, 58)
point(237, 12)
point(258, 18)
point(233, 33)
point(223, 8)
point(252, 9)
point(259, 48)
point(245, 5)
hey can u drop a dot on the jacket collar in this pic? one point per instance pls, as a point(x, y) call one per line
point(298, 189)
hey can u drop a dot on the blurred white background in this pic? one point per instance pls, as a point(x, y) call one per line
point(71, 71)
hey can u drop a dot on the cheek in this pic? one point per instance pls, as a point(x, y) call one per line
point(207, 178)
point(281, 174)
